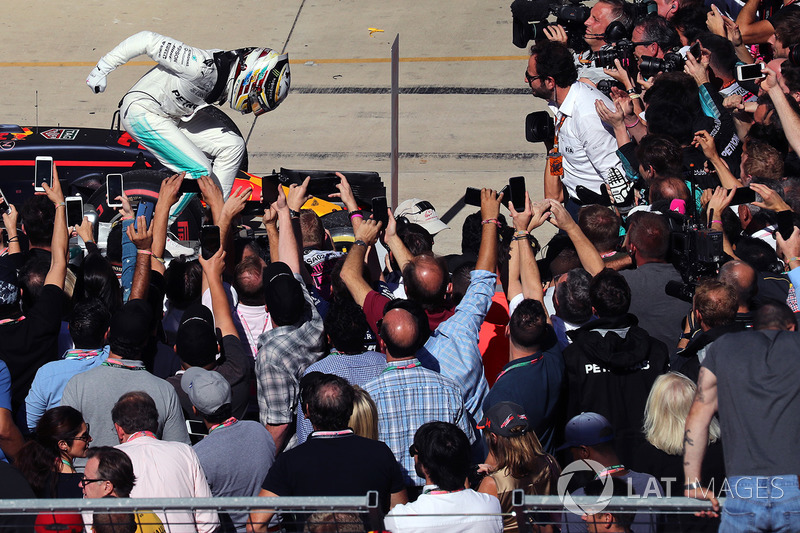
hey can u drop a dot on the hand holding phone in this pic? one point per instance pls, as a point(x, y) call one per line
point(472, 196)
point(209, 241)
point(74, 210)
point(114, 190)
point(379, 210)
point(517, 188)
point(43, 173)
point(754, 71)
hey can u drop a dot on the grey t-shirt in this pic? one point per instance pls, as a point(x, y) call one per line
point(236, 460)
point(658, 313)
point(758, 394)
point(95, 392)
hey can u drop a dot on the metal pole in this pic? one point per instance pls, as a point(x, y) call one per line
point(395, 119)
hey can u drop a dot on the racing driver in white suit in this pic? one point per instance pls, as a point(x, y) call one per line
point(160, 110)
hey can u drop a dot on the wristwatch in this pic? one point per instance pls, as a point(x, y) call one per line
point(294, 214)
point(359, 242)
point(692, 486)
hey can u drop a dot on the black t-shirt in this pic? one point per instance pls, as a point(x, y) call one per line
point(30, 343)
point(235, 368)
point(346, 465)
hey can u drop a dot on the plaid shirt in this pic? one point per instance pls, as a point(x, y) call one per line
point(406, 398)
point(357, 369)
point(455, 342)
point(283, 354)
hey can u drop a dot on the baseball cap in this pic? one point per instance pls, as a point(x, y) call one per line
point(196, 340)
point(503, 417)
point(282, 294)
point(587, 429)
point(206, 389)
point(421, 212)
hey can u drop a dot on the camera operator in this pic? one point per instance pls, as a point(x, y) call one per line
point(584, 154)
point(602, 14)
point(653, 36)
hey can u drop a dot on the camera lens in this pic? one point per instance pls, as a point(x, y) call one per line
point(650, 66)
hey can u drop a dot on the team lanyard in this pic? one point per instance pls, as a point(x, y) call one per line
point(412, 365)
point(609, 471)
point(113, 363)
point(79, 354)
point(229, 422)
point(11, 320)
point(253, 340)
point(554, 158)
point(437, 490)
point(512, 367)
point(141, 434)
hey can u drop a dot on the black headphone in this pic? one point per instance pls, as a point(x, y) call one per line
point(616, 31)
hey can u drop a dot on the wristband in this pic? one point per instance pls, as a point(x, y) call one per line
point(632, 125)
point(692, 486)
point(789, 261)
point(356, 214)
point(127, 218)
point(716, 222)
point(520, 237)
point(159, 259)
point(147, 252)
point(520, 233)
point(634, 96)
point(359, 242)
point(632, 90)
point(294, 214)
point(491, 221)
point(60, 204)
point(15, 238)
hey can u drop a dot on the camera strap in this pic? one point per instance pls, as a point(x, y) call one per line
point(554, 158)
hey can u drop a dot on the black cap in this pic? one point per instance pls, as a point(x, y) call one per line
point(282, 294)
point(196, 341)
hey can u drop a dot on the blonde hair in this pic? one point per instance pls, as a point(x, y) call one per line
point(522, 455)
point(364, 420)
point(666, 410)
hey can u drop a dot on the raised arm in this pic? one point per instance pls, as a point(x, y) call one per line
point(142, 237)
point(288, 247)
point(352, 269)
point(212, 271)
point(167, 197)
point(401, 254)
point(587, 253)
point(490, 210)
point(10, 223)
point(60, 240)
point(754, 31)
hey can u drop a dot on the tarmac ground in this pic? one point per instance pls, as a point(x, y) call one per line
point(462, 105)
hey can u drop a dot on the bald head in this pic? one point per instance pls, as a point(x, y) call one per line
point(426, 279)
point(400, 333)
point(742, 277)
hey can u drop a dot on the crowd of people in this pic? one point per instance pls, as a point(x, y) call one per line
point(657, 326)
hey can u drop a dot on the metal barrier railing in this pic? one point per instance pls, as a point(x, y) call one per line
point(527, 510)
point(651, 511)
point(366, 508)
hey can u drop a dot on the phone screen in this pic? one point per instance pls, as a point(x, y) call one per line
point(43, 172)
point(74, 211)
point(209, 241)
point(749, 72)
point(517, 188)
point(189, 185)
point(113, 189)
point(743, 195)
point(696, 51)
point(379, 207)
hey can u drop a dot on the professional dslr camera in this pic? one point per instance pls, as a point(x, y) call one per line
point(530, 19)
point(650, 66)
point(539, 127)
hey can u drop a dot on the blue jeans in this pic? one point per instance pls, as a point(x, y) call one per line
point(760, 503)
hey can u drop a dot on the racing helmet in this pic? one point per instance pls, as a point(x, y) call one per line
point(260, 81)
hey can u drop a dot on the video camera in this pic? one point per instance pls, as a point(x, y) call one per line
point(539, 126)
point(696, 253)
point(650, 66)
point(530, 19)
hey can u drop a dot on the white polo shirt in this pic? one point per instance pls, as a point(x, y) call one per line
point(588, 146)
